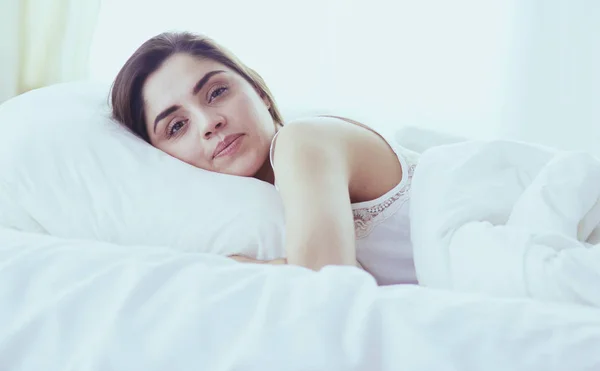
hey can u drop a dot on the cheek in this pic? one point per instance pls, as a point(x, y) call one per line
point(247, 107)
point(187, 150)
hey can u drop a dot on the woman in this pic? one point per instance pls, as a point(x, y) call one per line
point(344, 187)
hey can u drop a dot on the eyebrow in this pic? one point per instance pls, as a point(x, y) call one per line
point(204, 80)
point(199, 85)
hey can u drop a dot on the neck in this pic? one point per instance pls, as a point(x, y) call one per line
point(266, 173)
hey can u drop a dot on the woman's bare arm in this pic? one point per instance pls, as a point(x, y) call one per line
point(247, 259)
point(313, 168)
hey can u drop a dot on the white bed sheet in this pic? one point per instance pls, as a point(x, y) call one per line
point(77, 305)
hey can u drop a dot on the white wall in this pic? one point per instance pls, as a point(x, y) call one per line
point(505, 68)
point(554, 94)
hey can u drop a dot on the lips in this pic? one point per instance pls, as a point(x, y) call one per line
point(225, 143)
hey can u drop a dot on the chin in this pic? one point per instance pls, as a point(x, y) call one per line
point(245, 171)
point(246, 165)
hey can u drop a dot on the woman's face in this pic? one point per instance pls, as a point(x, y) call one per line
point(207, 115)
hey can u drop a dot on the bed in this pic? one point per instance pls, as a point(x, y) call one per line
point(97, 274)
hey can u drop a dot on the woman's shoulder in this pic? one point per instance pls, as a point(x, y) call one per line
point(365, 152)
point(330, 132)
point(325, 128)
point(314, 133)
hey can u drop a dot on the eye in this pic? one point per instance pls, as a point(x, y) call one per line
point(175, 128)
point(216, 93)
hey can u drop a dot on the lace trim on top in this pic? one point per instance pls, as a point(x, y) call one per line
point(367, 215)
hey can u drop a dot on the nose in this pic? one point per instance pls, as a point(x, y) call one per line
point(212, 129)
point(208, 124)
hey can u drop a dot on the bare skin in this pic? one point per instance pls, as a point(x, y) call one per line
point(321, 165)
point(247, 259)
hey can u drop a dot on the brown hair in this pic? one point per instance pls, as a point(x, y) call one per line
point(126, 92)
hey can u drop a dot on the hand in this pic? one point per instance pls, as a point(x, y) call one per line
point(246, 259)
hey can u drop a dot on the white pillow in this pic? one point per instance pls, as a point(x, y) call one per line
point(68, 170)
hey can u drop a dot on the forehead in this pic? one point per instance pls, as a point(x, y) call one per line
point(175, 79)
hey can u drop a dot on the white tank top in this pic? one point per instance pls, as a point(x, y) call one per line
point(382, 226)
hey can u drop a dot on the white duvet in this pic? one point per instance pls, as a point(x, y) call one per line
point(77, 305)
point(508, 219)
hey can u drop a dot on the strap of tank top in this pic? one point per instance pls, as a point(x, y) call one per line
point(272, 148)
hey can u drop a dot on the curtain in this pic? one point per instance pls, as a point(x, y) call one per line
point(524, 70)
point(44, 42)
